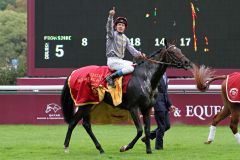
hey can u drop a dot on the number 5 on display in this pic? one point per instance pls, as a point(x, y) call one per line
point(59, 50)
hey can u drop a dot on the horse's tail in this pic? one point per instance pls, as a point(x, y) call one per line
point(67, 103)
point(204, 76)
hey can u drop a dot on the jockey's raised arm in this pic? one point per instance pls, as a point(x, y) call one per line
point(109, 25)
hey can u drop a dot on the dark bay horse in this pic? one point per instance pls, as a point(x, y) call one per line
point(139, 96)
point(204, 76)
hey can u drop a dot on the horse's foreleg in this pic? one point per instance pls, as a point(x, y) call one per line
point(87, 125)
point(225, 112)
point(234, 124)
point(146, 120)
point(138, 125)
point(76, 118)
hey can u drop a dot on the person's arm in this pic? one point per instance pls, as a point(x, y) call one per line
point(132, 50)
point(168, 100)
point(165, 83)
point(109, 26)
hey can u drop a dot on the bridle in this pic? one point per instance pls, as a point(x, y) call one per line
point(177, 61)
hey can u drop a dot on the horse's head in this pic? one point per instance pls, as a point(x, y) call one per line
point(174, 57)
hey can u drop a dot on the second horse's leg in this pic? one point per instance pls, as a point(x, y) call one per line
point(234, 121)
point(218, 118)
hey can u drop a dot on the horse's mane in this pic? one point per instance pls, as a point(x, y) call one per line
point(202, 75)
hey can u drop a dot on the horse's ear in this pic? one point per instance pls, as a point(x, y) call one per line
point(165, 42)
point(174, 42)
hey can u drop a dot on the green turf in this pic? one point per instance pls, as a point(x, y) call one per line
point(46, 142)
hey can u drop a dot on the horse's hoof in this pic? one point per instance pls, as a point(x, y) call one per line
point(208, 142)
point(102, 152)
point(66, 149)
point(123, 148)
point(143, 139)
point(149, 152)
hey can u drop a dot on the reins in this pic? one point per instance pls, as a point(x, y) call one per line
point(160, 62)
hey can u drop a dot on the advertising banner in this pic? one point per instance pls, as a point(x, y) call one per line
point(193, 109)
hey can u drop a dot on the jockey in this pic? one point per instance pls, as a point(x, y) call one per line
point(116, 44)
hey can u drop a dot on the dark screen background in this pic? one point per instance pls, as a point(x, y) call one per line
point(218, 20)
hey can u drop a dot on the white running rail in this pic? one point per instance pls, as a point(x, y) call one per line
point(30, 87)
point(59, 87)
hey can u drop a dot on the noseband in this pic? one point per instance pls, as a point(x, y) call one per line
point(177, 61)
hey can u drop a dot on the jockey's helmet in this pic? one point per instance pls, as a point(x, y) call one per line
point(120, 20)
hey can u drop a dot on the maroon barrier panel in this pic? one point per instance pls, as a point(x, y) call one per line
point(194, 109)
point(30, 109)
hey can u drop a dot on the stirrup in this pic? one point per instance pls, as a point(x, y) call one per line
point(110, 82)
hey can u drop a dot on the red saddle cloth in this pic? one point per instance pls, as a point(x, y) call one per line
point(85, 82)
point(233, 87)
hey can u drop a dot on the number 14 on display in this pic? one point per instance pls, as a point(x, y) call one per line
point(183, 42)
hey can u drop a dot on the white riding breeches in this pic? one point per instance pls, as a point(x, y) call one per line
point(115, 63)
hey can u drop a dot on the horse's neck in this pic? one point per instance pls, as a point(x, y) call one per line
point(157, 75)
point(157, 70)
point(151, 72)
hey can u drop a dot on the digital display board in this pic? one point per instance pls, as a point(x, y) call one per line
point(68, 34)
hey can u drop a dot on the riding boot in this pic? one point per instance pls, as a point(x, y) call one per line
point(110, 78)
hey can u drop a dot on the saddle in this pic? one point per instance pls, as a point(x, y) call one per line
point(88, 85)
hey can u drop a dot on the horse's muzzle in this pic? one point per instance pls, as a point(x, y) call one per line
point(187, 65)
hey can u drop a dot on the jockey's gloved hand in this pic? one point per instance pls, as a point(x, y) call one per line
point(143, 56)
point(112, 12)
